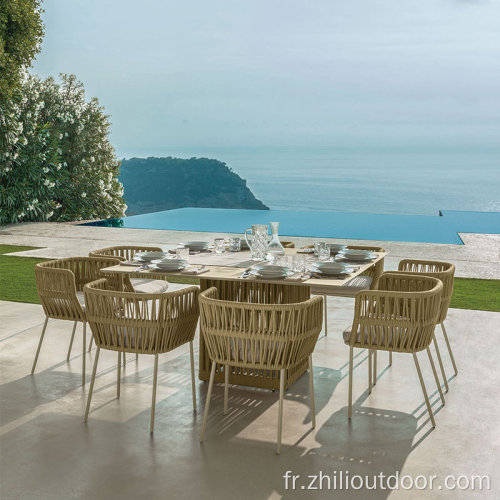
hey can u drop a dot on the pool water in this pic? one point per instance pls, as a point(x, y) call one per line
point(442, 228)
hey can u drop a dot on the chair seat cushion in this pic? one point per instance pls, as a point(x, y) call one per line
point(382, 345)
point(81, 298)
point(149, 286)
point(352, 287)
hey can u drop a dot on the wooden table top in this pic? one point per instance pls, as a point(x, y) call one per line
point(234, 269)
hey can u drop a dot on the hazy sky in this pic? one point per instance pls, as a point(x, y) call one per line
point(283, 72)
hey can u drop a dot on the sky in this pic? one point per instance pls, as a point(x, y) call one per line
point(264, 73)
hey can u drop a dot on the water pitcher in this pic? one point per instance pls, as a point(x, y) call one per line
point(259, 241)
point(274, 248)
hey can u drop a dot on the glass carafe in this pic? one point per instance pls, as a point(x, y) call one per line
point(259, 241)
point(274, 248)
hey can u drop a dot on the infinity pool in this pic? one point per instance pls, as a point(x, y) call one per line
point(442, 228)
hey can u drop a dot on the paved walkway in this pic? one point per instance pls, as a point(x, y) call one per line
point(479, 257)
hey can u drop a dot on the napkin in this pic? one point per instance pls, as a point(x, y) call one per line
point(131, 263)
point(195, 270)
point(298, 277)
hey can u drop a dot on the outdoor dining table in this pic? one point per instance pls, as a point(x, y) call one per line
point(224, 271)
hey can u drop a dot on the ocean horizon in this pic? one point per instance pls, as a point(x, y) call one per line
point(385, 181)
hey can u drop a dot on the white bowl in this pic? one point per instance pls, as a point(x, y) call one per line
point(264, 269)
point(357, 254)
point(150, 256)
point(169, 263)
point(195, 245)
point(332, 268)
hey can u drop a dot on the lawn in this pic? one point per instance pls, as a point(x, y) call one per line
point(17, 283)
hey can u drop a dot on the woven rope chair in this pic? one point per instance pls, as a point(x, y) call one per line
point(398, 317)
point(143, 324)
point(59, 284)
point(445, 272)
point(365, 281)
point(259, 337)
point(127, 252)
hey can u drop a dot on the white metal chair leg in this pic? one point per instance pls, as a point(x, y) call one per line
point(280, 412)
point(311, 392)
point(370, 368)
point(434, 372)
point(193, 387)
point(71, 341)
point(429, 409)
point(91, 389)
point(119, 374)
point(153, 402)
point(39, 345)
point(349, 405)
point(440, 361)
point(390, 358)
point(374, 367)
point(83, 351)
point(207, 403)
point(226, 387)
point(325, 309)
point(449, 349)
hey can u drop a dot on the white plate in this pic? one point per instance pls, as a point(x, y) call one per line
point(150, 256)
point(332, 268)
point(196, 245)
point(155, 266)
point(268, 276)
point(270, 269)
point(359, 255)
point(169, 263)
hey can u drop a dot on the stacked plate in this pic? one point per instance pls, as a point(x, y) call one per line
point(170, 264)
point(196, 246)
point(357, 255)
point(331, 268)
point(149, 256)
point(267, 271)
point(335, 248)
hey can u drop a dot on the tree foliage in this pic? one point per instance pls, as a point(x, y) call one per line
point(21, 33)
point(56, 161)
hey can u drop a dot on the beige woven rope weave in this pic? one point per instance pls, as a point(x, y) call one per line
point(124, 252)
point(445, 272)
point(60, 283)
point(398, 317)
point(141, 323)
point(258, 337)
point(254, 293)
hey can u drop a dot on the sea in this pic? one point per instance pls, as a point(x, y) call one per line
point(376, 180)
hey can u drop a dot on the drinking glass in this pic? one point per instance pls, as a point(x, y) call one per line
point(182, 253)
point(299, 263)
point(322, 250)
point(281, 260)
point(234, 244)
point(219, 245)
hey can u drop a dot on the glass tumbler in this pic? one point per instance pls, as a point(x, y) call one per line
point(182, 253)
point(299, 263)
point(234, 244)
point(322, 250)
point(219, 245)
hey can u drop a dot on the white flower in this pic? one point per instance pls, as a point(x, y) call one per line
point(52, 184)
point(50, 214)
point(6, 154)
point(46, 182)
point(84, 194)
point(58, 205)
point(60, 136)
point(65, 164)
point(92, 159)
point(45, 170)
point(14, 156)
point(66, 134)
point(58, 166)
point(22, 214)
point(7, 169)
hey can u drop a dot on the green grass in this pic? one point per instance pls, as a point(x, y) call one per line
point(17, 283)
point(483, 295)
point(17, 275)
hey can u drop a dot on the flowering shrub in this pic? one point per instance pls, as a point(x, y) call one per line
point(56, 162)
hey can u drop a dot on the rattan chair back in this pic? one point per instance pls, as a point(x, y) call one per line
point(443, 271)
point(124, 252)
point(58, 281)
point(259, 336)
point(139, 322)
point(400, 316)
point(374, 272)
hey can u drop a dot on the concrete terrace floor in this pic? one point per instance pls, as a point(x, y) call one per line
point(47, 452)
